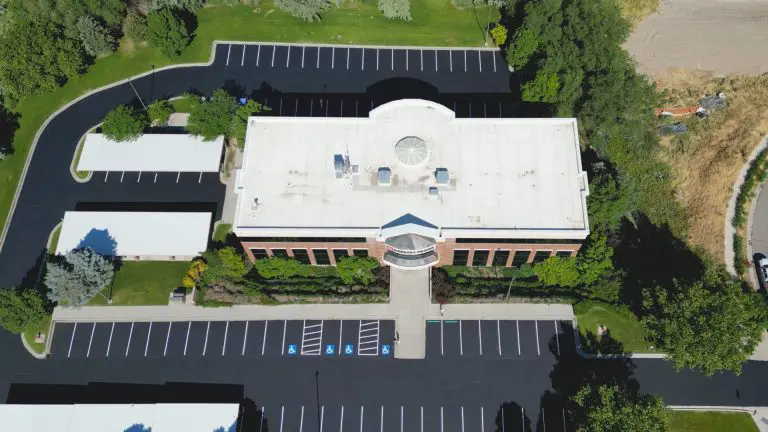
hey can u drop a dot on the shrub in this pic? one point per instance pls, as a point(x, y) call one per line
point(739, 263)
point(279, 268)
point(232, 263)
point(160, 111)
point(194, 273)
point(357, 270)
point(17, 308)
point(308, 10)
point(756, 174)
point(442, 289)
point(396, 9)
point(558, 271)
point(135, 26)
point(124, 124)
point(167, 31)
point(499, 34)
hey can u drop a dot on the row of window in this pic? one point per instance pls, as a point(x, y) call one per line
point(302, 255)
point(500, 257)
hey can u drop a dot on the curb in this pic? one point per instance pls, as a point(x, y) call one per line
point(72, 167)
point(589, 356)
point(748, 240)
point(32, 352)
point(728, 230)
point(354, 45)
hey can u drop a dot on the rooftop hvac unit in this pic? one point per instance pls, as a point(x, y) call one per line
point(338, 165)
point(384, 176)
point(441, 176)
point(433, 192)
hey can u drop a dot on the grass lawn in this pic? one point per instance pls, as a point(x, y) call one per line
point(622, 325)
point(31, 330)
point(144, 283)
point(53, 240)
point(222, 229)
point(182, 105)
point(435, 22)
point(689, 421)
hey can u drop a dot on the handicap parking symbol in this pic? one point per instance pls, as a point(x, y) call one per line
point(330, 349)
point(386, 350)
point(349, 349)
point(293, 349)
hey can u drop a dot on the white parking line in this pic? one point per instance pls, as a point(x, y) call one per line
point(482, 416)
point(200, 179)
point(139, 177)
point(465, 60)
point(128, 345)
point(421, 56)
point(155, 181)
point(274, 48)
point(224, 345)
point(245, 337)
point(392, 59)
point(341, 423)
point(121, 176)
point(186, 341)
point(543, 420)
point(494, 61)
point(517, 324)
point(109, 344)
point(564, 428)
point(168, 335)
point(264, 338)
point(502, 420)
point(361, 418)
point(461, 340)
point(105, 176)
point(149, 333)
point(479, 60)
point(347, 58)
point(362, 59)
point(441, 419)
point(462, 419)
point(93, 330)
point(480, 335)
point(177, 176)
point(242, 60)
point(301, 421)
point(296, 108)
point(406, 59)
point(522, 416)
point(205, 344)
point(538, 350)
point(311, 105)
point(401, 418)
point(441, 337)
point(322, 417)
point(318, 58)
point(377, 59)
point(341, 332)
point(381, 419)
point(258, 54)
point(282, 413)
point(229, 48)
point(422, 419)
point(282, 348)
point(333, 57)
point(261, 423)
point(288, 58)
point(498, 335)
point(557, 338)
point(450, 58)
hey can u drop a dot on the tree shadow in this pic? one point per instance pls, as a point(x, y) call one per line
point(9, 124)
point(605, 344)
point(652, 256)
point(511, 417)
point(252, 417)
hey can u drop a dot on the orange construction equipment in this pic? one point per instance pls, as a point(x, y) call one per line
point(677, 111)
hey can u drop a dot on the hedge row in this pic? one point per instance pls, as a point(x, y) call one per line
point(756, 174)
point(738, 254)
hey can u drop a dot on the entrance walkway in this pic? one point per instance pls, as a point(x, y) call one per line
point(409, 306)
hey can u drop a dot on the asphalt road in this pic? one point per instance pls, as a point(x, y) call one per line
point(450, 390)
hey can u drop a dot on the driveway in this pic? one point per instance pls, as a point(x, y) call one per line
point(723, 36)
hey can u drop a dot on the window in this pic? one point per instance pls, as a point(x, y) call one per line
point(339, 254)
point(259, 253)
point(301, 255)
point(321, 256)
point(280, 253)
point(480, 258)
point(500, 258)
point(541, 255)
point(564, 253)
point(520, 258)
point(460, 257)
point(360, 252)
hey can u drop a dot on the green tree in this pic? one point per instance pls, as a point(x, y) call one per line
point(240, 119)
point(308, 10)
point(135, 26)
point(167, 31)
point(279, 268)
point(354, 270)
point(543, 88)
point(232, 262)
point(37, 58)
point(190, 5)
point(18, 308)
point(124, 124)
point(499, 34)
point(66, 13)
point(79, 277)
point(609, 408)
point(557, 271)
point(396, 9)
point(595, 261)
point(709, 324)
point(160, 111)
point(607, 202)
point(95, 38)
point(213, 117)
point(523, 45)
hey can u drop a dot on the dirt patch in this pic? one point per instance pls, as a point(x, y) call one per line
point(707, 159)
point(636, 10)
point(723, 36)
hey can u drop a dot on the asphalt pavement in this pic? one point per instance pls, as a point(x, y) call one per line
point(517, 384)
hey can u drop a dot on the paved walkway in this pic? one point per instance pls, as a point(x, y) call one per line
point(409, 306)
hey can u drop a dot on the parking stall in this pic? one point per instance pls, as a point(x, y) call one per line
point(252, 339)
point(508, 339)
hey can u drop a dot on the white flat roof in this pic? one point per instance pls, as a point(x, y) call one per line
point(151, 153)
point(119, 417)
point(509, 178)
point(135, 233)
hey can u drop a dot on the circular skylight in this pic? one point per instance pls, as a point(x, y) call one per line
point(411, 150)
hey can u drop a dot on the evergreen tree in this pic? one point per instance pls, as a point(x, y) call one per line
point(308, 10)
point(396, 9)
point(95, 38)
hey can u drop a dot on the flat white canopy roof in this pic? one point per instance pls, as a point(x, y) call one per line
point(151, 153)
point(135, 233)
point(119, 418)
point(507, 178)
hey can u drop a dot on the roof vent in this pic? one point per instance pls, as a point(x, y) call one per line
point(433, 192)
point(411, 151)
point(338, 165)
point(384, 176)
point(441, 176)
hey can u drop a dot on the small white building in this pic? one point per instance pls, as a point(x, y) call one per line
point(158, 236)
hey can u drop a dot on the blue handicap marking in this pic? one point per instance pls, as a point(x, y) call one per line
point(330, 349)
point(386, 350)
point(293, 349)
point(349, 349)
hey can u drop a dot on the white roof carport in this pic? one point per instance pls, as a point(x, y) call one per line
point(119, 417)
point(149, 235)
point(151, 153)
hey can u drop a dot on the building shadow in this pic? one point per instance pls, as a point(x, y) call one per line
point(121, 393)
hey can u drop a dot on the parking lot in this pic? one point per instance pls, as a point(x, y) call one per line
point(509, 339)
point(411, 418)
point(155, 177)
point(293, 338)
